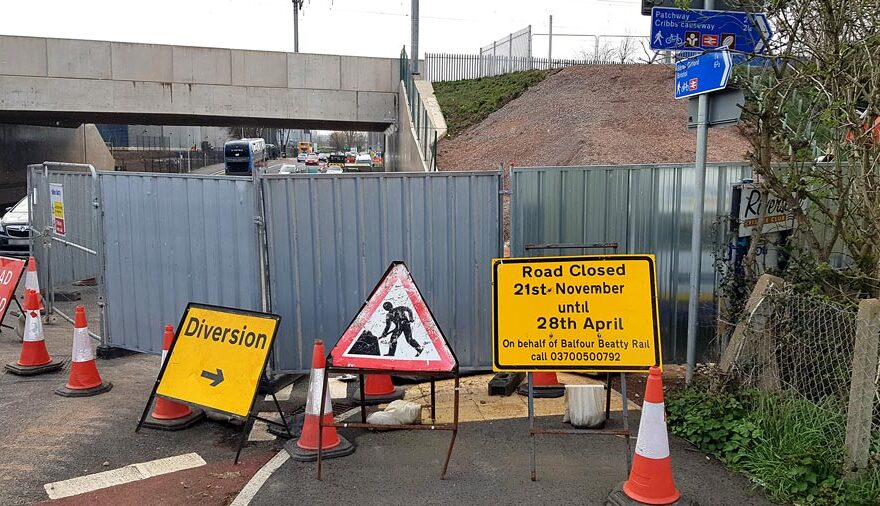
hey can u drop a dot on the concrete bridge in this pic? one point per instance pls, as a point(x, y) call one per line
point(64, 82)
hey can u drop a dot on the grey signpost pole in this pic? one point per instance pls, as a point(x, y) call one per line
point(697, 230)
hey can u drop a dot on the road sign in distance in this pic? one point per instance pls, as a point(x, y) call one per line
point(705, 73)
point(690, 30)
point(725, 108)
point(585, 313)
point(217, 357)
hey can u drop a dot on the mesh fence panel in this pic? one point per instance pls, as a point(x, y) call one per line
point(804, 345)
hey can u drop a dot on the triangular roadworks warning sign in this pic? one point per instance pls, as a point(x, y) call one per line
point(394, 331)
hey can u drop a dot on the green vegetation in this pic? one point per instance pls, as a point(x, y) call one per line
point(790, 446)
point(467, 102)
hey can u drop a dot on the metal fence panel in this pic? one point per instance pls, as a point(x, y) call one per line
point(332, 236)
point(644, 208)
point(172, 239)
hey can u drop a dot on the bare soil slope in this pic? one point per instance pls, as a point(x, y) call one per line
point(589, 115)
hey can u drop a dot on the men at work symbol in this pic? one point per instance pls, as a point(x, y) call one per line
point(400, 317)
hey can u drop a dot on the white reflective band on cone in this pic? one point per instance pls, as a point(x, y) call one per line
point(164, 354)
point(33, 327)
point(653, 442)
point(82, 346)
point(316, 384)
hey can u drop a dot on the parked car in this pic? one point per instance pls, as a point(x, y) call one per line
point(288, 168)
point(301, 157)
point(14, 228)
point(311, 159)
point(322, 157)
point(333, 169)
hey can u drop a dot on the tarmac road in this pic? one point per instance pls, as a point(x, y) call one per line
point(490, 465)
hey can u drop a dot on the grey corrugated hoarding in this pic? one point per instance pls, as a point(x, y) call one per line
point(331, 237)
point(79, 191)
point(644, 208)
point(172, 239)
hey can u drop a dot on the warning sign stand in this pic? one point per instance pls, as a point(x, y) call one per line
point(11, 270)
point(394, 310)
point(216, 361)
point(593, 313)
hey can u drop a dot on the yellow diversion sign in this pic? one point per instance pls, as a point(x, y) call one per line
point(585, 313)
point(217, 357)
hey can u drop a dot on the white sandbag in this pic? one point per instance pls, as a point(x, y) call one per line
point(584, 405)
point(399, 412)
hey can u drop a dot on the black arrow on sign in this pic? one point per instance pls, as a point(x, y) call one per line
point(216, 378)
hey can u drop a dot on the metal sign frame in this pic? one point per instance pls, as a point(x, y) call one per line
point(453, 372)
point(251, 414)
point(17, 277)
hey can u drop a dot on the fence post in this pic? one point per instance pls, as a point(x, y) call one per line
point(731, 355)
point(861, 389)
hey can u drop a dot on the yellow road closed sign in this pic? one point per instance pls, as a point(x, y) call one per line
point(584, 313)
point(217, 357)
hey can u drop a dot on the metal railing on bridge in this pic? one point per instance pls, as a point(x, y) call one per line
point(426, 131)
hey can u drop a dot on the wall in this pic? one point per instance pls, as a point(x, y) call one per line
point(21, 145)
point(40, 75)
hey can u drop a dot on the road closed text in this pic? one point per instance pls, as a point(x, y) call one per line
point(575, 313)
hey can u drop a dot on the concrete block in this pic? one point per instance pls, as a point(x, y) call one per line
point(259, 68)
point(316, 71)
point(82, 59)
point(23, 56)
point(323, 104)
point(376, 107)
point(201, 65)
point(367, 74)
point(141, 62)
point(267, 103)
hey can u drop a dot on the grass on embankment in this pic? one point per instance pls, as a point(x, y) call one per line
point(467, 102)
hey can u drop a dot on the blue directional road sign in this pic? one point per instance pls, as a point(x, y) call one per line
point(689, 30)
point(702, 74)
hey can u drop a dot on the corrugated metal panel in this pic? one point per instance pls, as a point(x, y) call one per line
point(172, 239)
point(69, 264)
point(331, 238)
point(646, 209)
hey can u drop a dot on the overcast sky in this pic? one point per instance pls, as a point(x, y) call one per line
point(351, 27)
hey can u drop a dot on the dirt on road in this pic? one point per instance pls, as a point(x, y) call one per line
point(590, 115)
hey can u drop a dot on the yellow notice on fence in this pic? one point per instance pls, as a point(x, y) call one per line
point(218, 357)
point(585, 313)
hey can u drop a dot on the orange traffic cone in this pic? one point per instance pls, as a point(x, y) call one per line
point(168, 414)
point(332, 444)
point(378, 389)
point(544, 385)
point(84, 379)
point(650, 479)
point(31, 280)
point(34, 358)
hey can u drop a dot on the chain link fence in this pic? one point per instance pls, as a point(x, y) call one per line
point(817, 351)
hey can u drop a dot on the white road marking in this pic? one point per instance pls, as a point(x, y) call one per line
point(257, 480)
point(127, 474)
point(260, 429)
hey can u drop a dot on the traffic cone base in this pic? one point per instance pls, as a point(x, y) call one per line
point(299, 454)
point(545, 385)
point(66, 391)
point(194, 416)
point(30, 370)
point(378, 389)
point(618, 497)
